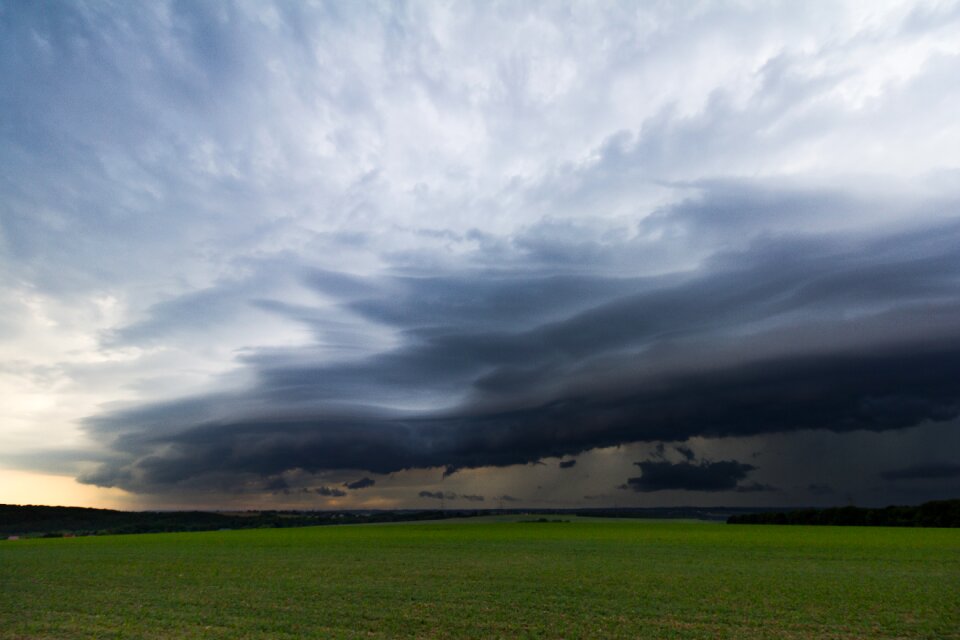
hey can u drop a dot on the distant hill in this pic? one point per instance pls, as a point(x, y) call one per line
point(939, 513)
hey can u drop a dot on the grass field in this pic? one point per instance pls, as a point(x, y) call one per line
point(585, 579)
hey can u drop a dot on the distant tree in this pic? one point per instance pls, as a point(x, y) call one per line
point(938, 513)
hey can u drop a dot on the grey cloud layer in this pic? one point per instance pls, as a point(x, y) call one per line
point(923, 472)
point(724, 475)
point(429, 235)
point(150, 136)
point(839, 332)
point(660, 473)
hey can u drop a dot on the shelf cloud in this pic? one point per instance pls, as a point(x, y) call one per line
point(370, 254)
point(759, 341)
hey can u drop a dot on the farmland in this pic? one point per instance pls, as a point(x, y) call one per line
point(486, 578)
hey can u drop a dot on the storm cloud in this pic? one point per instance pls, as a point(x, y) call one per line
point(923, 472)
point(703, 476)
point(425, 243)
point(331, 492)
point(362, 483)
point(837, 333)
point(438, 495)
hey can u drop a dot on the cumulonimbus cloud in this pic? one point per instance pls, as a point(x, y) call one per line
point(825, 332)
point(444, 236)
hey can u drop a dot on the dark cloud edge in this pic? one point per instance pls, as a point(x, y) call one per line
point(893, 368)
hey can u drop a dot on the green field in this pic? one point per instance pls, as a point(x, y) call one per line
point(583, 579)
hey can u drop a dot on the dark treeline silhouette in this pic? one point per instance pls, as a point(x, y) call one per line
point(42, 521)
point(939, 513)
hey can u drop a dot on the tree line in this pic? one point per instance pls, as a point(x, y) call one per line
point(938, 513)
point(53, 522)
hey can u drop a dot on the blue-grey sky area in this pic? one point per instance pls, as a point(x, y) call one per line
point(356, 254)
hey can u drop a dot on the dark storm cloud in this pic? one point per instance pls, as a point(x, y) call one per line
point(332, 492)
point(362, 483)
point(820, 489)
point(409, 236)
point(437, 495)
point(507, 498)
point(820, 331)
point(567, 464)
point(472, 497)
point(277, 485)
point(754, 487)
point(923, 472)
point(703, 476)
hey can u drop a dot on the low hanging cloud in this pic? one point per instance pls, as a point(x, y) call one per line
point(331, 492)
point(754, 487)
point(757, 341)
point(923, 472)
point(675, 467)
point(276, 485)
point(567, 464)
point(820, 489)
point(686, 476)
point(437, 495)
point(362, 483)
point(440, 495)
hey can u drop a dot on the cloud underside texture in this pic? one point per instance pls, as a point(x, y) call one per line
point(540, 358)
point(493, 236)
point(660, 475)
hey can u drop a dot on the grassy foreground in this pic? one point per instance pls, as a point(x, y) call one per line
point(611, 579)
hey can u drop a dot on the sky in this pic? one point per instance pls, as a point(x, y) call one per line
point(395, 255)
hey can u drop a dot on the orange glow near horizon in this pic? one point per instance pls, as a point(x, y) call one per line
point(28, 487)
